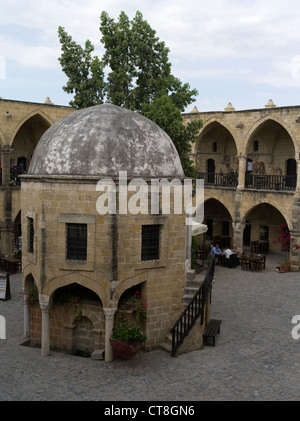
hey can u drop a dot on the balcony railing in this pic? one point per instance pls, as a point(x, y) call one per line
point(270, 182)
point(252, 181)
point(223, 180)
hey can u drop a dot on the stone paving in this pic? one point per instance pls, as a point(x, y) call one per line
point(255, 357)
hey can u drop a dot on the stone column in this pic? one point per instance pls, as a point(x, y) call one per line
point(5, 162)
point(298, 175)
point(188, 245)
point(7, 225)
point(109, 324)
point(242, 171)
point(45, 328)
point(238, 230)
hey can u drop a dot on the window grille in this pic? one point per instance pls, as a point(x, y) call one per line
point(76, 241)
point(150, 242)
point(30, 234)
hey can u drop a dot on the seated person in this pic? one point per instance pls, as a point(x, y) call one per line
point(216, 250)
point(235, 256)
point(227, 255)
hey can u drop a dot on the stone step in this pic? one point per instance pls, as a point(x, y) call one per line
point(166, 346)
point(98, 354)
point(190, 274)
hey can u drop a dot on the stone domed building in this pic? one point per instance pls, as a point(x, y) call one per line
point(69, 247)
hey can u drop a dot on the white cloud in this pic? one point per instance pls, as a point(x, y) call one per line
point(239, 40)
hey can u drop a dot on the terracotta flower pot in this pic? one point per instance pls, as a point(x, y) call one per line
point(284, 268)
point(124, 349)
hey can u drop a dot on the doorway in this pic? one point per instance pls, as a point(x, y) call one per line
point(291, 172)
point(247, 234)
point(211, 171)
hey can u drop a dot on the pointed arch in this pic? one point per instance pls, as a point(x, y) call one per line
point(265, 202)
point(39, 113)
point(222, 204)
point(73, 278)
point(216, 138)
point(128, 283)
point(208, 123)
point(256, 126)
point(218, 219)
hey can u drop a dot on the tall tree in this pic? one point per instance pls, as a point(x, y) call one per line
point(138, 77)
point(85, 73)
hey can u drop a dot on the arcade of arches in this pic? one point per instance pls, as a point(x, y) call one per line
point(22, 124)
point(250, 163)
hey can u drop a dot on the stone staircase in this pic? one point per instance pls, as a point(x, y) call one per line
point(193, 283)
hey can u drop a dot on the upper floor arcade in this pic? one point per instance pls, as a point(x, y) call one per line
point(251, 149)
point(22, 124)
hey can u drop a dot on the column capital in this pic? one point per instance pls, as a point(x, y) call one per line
point(109, 313)
point(238, 225)
point(45, 307)
point(6, 149)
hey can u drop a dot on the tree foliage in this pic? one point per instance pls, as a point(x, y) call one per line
point(134, 72)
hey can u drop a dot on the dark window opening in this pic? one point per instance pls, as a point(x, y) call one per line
point(215, 146)
point(225, 228)
point(30, 234)
point(264, 233)
point(150, 242)
point(255, 145)
point(76, 241)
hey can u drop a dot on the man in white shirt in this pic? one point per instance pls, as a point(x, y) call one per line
point(228, 262)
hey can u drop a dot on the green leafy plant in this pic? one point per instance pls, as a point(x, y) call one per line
point(134, 306)
point(132, 335)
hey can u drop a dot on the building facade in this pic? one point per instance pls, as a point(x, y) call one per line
point(250, 162)
point(68, 245)
point(21, 126)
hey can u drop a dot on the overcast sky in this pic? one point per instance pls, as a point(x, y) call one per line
point(239, 51)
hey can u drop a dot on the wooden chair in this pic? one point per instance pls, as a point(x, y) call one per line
point(3, 264)
point(262, 262)
point(244, 262)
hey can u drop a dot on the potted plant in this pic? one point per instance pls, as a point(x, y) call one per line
point(126, 341)
point(127, 337)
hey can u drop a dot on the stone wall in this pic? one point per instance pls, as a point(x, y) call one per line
point(21, 126)
point(234, 133)
point(113, 262)
point(70, 331)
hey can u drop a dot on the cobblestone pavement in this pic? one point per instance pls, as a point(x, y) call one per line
point(255, 357)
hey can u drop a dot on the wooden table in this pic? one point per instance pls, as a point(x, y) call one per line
point(256, 263)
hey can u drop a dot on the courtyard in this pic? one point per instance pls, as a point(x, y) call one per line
point(255, 357)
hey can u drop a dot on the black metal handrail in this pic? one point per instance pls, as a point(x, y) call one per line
point(193, 310)
point(270, 182)
point(219, 179)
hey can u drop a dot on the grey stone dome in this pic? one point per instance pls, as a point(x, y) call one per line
point(103, 140)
